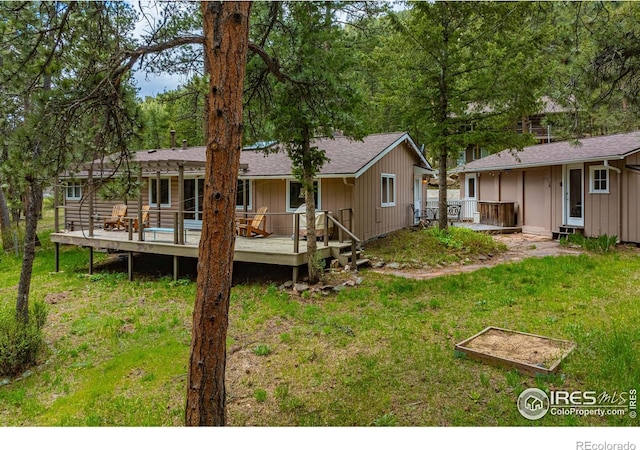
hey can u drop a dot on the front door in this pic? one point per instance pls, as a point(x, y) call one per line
point(574, 195)
point(417, 197)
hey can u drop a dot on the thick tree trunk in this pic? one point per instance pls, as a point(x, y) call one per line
point(34, 193)
point(442, 189)
point(307, 182)
point(6, 229)
point(226, 26)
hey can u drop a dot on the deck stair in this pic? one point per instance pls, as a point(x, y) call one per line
point(565, 231)
point(343, 255)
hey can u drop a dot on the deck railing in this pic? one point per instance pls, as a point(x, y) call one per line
point(468, 206)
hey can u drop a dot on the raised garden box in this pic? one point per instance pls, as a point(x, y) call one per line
point(530, 354)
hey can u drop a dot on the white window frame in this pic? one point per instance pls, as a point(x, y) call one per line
point(152, 201)
point(592, 179)
point(73, 185)
point(319, 203)
point(249, 196)
point(391, 180)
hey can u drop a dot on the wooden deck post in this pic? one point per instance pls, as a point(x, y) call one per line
point(140, 224)
point(56, 219)
point(326, 228)
point(176, 231)
point(176, 267)
point(130, 265)
point(295, 274)
point(90, 260)
point(90, 192)
point(181, 204)
point(57, 256)
point(158, 198)
point(296, 234)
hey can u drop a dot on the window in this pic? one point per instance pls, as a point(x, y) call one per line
point(599, 180)
point(295, 194)
point(73, 190)
point(193, 198)
point(240, 196)
point(471, 186)
point(479, 152)
point(165, 192)
point(388, 189)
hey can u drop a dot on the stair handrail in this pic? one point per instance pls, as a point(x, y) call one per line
point(354, 239)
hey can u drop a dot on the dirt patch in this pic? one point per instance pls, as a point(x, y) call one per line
point(520, 246)
point(523, 348)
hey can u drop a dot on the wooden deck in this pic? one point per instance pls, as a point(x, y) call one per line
point(276, 250)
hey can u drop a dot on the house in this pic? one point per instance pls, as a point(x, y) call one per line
point(535, 124)
point(592, 187)
point(376, 180)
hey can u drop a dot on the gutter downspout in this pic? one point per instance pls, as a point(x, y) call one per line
point(619, 172)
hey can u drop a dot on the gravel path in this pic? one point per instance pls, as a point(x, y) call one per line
point(520, 246)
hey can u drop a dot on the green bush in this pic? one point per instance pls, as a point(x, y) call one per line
point(20, 343)
point(600, 244)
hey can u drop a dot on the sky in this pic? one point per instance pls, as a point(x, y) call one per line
point(152, 85)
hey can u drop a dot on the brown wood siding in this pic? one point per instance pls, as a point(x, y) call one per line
point(371, 219)
point(537, 201)
point(511, 191)
point(556, 188)
point(602, 211)
point(488, 186)
point(631, 201)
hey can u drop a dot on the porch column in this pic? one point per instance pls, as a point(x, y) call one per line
point(158, 199)
point(90, 193)
point(176, 267)
point(56, 219)
point(90, 260)
point(57, 256)
point(180, 205)
point(140, 225)
point(130, 265)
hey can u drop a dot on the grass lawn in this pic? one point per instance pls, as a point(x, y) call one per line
point(380, 353)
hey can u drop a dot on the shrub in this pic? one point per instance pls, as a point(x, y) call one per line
point(20, 343)
point(600, 244)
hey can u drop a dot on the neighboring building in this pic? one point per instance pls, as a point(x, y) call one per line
point(533, 124)
point(379, 178)
point(593, 187)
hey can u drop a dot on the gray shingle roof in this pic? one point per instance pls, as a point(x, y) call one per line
point(590, 149)
point(346, 156)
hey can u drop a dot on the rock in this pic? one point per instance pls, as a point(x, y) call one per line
point(393, 266)
point(301, 287)
point(482, 257)
point(335, 264)
point(358, 281)
point(349, 283)
point(288, 284)
point(347, 268)
point(326, 287)
point(5, 381)
point(305, 279)
point(378, 265)
point(339, 288)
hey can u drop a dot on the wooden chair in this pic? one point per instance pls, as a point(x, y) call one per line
point(145, 219)
point(254, 227)
point(116, 220)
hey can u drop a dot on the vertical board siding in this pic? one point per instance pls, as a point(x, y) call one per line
point(487, 187)
point(368, 195)
point(602, 211)
point(631, 201)
point(537, 200)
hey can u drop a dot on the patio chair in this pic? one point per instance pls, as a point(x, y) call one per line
point(254, 227)
point(145, 219)
point(116, 220)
